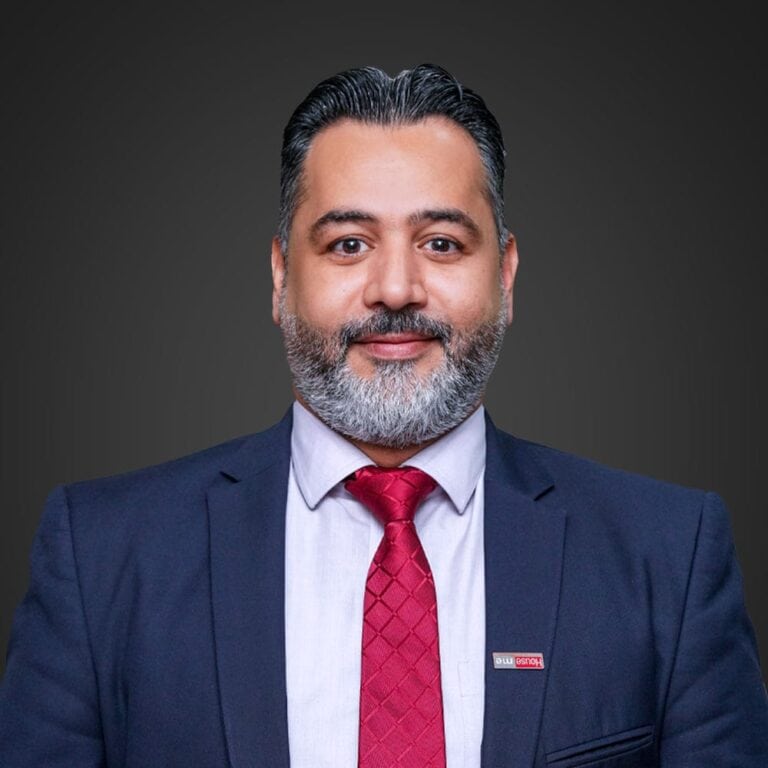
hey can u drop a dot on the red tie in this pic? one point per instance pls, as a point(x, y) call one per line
point(401, 704)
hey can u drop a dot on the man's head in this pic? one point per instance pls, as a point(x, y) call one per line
point(392, 269)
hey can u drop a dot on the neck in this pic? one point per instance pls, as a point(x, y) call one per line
point(388, 457)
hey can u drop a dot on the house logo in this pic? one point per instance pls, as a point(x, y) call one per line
point(517, 660)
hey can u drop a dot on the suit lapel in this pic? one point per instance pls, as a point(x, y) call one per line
point(247, 538)
point(523, 558)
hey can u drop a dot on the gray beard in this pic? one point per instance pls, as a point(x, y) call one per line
point(396, 407)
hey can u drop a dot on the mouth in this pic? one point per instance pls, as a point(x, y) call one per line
point(395, 346)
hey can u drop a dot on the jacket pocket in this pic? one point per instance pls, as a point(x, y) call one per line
point(626, 749)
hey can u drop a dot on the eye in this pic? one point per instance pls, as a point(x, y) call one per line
point(349, 246)
point(443, 245)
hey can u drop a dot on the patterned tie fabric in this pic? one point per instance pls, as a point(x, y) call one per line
point(401, 704)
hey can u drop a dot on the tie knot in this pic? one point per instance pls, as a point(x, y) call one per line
point(391, 494)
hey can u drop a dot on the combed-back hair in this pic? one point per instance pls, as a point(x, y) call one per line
point(370, 95)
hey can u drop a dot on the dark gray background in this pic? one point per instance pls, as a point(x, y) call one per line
point(139, 170)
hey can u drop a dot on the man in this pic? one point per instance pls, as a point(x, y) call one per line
point(523, 607)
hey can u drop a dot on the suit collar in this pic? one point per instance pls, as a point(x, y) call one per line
point(260, 451)
point(515, 463)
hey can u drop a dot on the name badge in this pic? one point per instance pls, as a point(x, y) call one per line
point(518, 660)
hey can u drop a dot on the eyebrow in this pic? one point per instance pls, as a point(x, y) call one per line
point(340, 216)
point(452, 215)
point(347, 215)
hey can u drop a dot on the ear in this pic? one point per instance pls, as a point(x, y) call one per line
point(509, 263)
point(278, 277)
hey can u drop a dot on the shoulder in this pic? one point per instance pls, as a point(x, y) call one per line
point(583, 476)
point(603, 499)
point(172, 489)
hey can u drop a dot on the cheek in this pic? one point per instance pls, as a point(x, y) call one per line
point(468, 299)
point(319, 298)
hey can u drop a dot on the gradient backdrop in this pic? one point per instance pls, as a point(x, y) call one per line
point(139, 172)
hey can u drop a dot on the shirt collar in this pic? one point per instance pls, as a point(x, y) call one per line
point(322, 458)
point(457, 459)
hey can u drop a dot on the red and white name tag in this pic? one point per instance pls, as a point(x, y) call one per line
point(517, 660)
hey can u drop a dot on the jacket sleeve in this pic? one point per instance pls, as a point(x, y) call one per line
point(717, 709)
point(49, 714)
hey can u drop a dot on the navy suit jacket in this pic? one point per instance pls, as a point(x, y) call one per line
point(153, 630)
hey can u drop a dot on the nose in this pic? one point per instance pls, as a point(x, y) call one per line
point(395, 280)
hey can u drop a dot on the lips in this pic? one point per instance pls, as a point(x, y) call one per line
point(395, 346)
point(393, 338)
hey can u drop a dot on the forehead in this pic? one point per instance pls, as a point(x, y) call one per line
point(397, 168)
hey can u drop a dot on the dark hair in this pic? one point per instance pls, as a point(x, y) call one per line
point(370, 95)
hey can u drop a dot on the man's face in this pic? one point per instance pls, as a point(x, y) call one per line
point(393, 261)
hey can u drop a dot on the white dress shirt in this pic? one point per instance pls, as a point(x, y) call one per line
point(330, 542)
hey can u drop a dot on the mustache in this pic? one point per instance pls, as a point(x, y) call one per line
point(394, 321)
